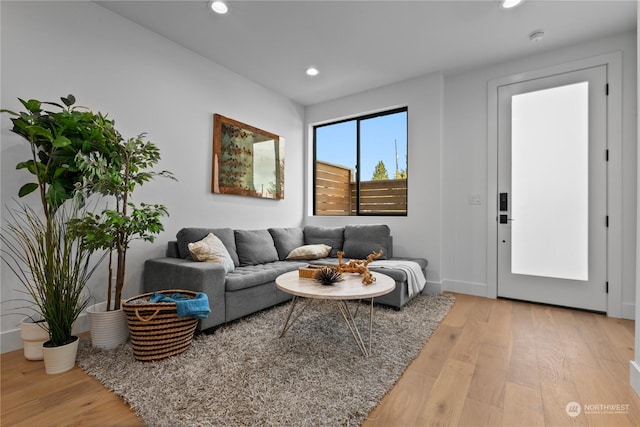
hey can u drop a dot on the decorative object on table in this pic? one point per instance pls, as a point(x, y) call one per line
point(359, 266)
point(116, 172)
point(157, 332)
point(328, 276)
point(53, 263)
point(309, 271)
point(246, 160)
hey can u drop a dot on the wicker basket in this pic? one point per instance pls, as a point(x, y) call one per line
point(156, 330)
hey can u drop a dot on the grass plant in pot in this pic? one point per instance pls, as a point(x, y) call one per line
point(115, 174)
point(51, 262)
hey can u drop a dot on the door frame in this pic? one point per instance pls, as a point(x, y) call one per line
point(613, 61)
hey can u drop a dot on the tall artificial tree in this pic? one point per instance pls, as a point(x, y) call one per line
point(116, 172)
point(51, 262)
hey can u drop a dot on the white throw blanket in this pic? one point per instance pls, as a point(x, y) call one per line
point(415, 277)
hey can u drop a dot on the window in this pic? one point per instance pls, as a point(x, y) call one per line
point(360, 165)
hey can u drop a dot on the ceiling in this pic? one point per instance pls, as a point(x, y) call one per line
point(360, 45)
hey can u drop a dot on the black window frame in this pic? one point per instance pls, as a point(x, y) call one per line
point(358, 119)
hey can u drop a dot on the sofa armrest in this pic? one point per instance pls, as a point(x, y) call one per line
point(175, 273)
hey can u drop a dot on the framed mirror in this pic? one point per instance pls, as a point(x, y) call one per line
point(246, 160)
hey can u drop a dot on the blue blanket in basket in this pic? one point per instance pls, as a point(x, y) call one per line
point(197, 307)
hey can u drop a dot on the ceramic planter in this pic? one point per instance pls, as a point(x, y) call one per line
point(33, 335)
point(60, 359)
point(108, 328)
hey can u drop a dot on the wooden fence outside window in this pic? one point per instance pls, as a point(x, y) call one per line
point(336, 193)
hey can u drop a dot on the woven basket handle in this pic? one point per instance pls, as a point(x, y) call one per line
point(142, 319)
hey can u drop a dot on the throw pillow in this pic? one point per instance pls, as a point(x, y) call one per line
point(193, 234)
point(332, 236)
point(211, 249)
point(286, 240)
point(310, 252)
point(255, 247)
point(362, 240)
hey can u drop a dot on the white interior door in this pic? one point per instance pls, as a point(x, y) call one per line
point(552, 184)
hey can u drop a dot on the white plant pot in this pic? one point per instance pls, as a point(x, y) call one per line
point(108, 328)
point(60, 359)
point(33, 335)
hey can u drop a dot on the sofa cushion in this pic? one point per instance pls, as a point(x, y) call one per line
point(190, 235)
point(310, 252)
point(255, 247)
point(286, 240)
point(332, 236)
point(211, 249)
point(258, 275)
point(362, 240)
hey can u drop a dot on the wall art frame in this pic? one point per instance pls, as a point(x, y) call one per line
point(247, 161)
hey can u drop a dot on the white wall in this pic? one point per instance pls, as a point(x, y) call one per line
point(418, 234)
point(465, 154)
point(634, 365)
point(147, 84)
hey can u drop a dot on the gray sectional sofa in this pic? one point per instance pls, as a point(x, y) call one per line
point(259, 256)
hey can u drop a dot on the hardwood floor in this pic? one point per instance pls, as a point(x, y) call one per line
point(489, 363)
point(507, 363)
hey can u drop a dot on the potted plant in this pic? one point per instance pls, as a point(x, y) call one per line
point(116, 173)
point(54, 266)
point(33, 332)
point(51, 262)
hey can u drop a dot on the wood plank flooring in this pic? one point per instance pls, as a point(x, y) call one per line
point(489, 363)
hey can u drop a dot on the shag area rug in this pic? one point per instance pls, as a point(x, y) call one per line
point(244, 374)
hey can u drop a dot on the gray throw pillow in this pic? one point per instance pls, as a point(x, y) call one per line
point(362, 240)
point(286, 240)
point(332, 236)
point(255, 247)
point(191, 235)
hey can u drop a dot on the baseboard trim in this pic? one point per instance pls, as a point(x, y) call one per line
point(634, 376)
point(432, 288)
point(628, 311)
point(10, 340)
point(469, 288)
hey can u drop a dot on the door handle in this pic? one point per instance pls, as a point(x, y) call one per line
point(504, 219)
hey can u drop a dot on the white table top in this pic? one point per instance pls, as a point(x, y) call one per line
point(350, 288)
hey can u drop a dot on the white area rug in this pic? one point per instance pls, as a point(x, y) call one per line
point(246, 375)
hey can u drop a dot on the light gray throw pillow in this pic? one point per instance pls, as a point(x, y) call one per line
point(194, 234)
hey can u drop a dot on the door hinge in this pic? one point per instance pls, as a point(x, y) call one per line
point(606, 154)
point(606, 287)
point(607, 221)
point(606, 89)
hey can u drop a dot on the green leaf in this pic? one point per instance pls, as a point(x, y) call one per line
point(69, 100)
point(61, 141)
point(33, 105)
point(27, 188)
point(26, 165)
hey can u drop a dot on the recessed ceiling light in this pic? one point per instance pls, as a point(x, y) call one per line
point(312, 71)
point(508, 4)
point(218, 7)
point(536, 36)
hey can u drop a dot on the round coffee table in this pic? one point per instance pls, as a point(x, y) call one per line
point(351, 288)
